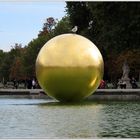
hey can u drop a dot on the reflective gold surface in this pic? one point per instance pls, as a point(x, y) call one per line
point(69, 67)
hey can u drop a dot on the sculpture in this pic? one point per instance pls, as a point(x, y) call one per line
point(126, 70)
point(69, 67)
point(125, 77)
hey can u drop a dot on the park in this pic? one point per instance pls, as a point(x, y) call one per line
point(78, 78)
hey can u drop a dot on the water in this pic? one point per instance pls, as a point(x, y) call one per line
point(38, 118)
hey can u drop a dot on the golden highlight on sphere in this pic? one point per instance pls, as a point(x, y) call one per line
point(69, 67)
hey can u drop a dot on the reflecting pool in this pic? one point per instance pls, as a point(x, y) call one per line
point(41, 118)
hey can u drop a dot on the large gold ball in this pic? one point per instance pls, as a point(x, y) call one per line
point(69, 67)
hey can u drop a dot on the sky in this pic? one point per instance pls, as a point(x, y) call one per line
point(20, 22)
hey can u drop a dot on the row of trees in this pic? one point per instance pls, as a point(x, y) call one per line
point(19, 62)
point(114, 28)
point(115, 31)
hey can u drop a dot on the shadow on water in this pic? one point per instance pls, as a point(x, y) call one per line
point(85, 102)
point(79, 103)
point(53, 102)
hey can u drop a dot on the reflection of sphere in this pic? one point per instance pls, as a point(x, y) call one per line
point(69, 67)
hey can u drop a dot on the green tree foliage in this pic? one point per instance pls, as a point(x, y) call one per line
point(16, 71)
point(115, 28)
point(2, 56)
point(118, 24)
point(4, 65)
point(63, 26)
point(30, 55)
point(19, 63)
point(79, 14)
point(33, 48)
point(8, 60)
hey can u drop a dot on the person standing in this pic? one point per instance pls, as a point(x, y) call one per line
point(124, 84)
point(29, 83)
point(119, 84)
point(33, 84)
point(102, 84)
point(15, 83)
point(133, 82)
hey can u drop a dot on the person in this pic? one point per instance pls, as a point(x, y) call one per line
point(29, 83)
point(124, 84)
point(120, 83)
point(133, 82)
point(15, 83)
point(33, 84)
point(4, 83)
point(102, 84)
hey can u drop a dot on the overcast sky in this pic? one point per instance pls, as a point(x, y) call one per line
point(20, 22)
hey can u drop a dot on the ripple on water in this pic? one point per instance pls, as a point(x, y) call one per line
point(33, 118)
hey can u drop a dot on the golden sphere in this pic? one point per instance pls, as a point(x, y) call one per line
point(69, 67)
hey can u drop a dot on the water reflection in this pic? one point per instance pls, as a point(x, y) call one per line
point(29, 118)
point(73, 120)
point(120, 120)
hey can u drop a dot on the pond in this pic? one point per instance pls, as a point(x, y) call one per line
point(45, 118)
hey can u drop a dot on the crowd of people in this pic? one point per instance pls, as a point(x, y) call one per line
point(33, 84)
point(120, 84)
point(30, 83)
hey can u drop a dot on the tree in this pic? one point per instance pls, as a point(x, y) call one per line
point(30, 55)
point(63, 26)
point(2, 70)
point(8, 61)
point(132, 56)
point(48, 26)
point(16, 70)
point(79, 14)
point(115, 27)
